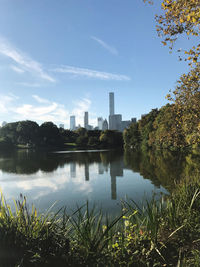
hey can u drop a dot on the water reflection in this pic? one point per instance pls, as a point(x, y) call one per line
point(104, 176)
point(72, 169)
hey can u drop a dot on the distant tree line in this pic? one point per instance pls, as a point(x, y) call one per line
point(30, 134)
point(173, 126)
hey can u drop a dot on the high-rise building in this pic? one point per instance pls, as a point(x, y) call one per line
point(134, 120)
point(115, 122)
point(72, 123)
point(111, 104)
point(105, 125)
point(124, 125)
point(100, 123)
point(86, 120)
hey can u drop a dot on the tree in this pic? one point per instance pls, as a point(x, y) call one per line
point(186, 97)
point(132, 136)
point(180, 17)
point(49, 134)
point(9, 131)
point(110, 138)
point(27, 132)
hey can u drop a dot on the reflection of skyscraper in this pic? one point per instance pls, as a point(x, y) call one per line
point(111, 104)
point(87, 175)
point(116, 169)
point(73, 169)
point(113, 187)
point(72, 123)
point(101, 168)
point(86, 120)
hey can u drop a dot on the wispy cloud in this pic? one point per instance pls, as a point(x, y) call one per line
point(39, 99)
point(88, 73)
point(110, 48)
point(25, 62)
point(17, 69)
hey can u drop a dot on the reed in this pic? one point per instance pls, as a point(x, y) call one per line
point(163, 232)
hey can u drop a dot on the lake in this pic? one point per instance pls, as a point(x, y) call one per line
point(69, 178)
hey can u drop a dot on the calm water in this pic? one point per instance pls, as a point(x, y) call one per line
point(102, 177)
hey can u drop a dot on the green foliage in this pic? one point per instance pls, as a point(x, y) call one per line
point(110, 138)
point(132, 136)
point(29, 134)
point(164, 232)
point(31, 238)
point(173, 126)
point(49, 134)
point(5, 143)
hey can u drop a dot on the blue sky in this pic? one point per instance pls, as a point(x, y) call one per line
point(61, 58)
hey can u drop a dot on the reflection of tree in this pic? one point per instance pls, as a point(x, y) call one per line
point(162, 167)
point(28, 162)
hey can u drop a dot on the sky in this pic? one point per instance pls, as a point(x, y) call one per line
point(62, 58)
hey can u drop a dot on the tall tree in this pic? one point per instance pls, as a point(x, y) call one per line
point(180, 17)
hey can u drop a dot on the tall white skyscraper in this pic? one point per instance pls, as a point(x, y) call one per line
point(111, 104)
point(86, 120)
point(72, 123)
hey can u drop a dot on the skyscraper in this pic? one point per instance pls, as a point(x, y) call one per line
point(105, 125)
point(111, 104)
point(72, 123)
point(100, 123)
point(115, 120)
point(86, 120)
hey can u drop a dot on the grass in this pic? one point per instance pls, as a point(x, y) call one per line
point(165, 232)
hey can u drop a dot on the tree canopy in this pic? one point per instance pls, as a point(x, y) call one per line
point(180, 17)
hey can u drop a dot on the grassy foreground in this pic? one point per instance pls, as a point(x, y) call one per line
point(163, 233)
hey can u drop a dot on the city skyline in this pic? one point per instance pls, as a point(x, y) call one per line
point(115, 120)
point(54, 68)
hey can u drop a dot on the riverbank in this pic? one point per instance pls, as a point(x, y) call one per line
point(163, 233)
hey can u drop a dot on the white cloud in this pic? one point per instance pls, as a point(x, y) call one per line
point(50, 112)
point(111, 49)
point(5, 102)
point(45, 110)
point(25, 62)
point(39, 99)
point(91, 73)
point(17, 69)
point(43, 184)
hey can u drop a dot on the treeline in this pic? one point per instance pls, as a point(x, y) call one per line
point(30, 134)
point(173, 126)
